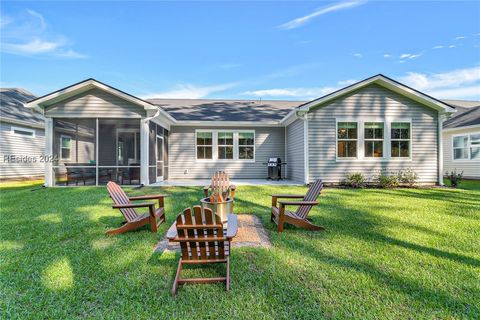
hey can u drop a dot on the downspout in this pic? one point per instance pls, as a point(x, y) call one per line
point(441, 119)
point(304, 117)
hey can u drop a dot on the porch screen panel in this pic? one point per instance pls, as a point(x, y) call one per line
point(152, 163)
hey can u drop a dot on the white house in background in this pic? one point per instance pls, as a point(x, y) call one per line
point(21, 136)
point(461, 139)
point(98, 133)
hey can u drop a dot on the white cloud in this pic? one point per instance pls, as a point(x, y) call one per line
point(295, 23)
point(28, 34)
point(460, 37)
point(438, 47)
point(358, 55)
point(460, 83)
point(386, 55)
point(307, 93)
point(410, 55)
point(190, 91)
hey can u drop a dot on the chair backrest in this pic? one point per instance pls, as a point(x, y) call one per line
point(201, 237)
point(120, 197)
point(312, 195)
point(220, 185)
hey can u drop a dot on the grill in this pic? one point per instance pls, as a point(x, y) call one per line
point(274, 168)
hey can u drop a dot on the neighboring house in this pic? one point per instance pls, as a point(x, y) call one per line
point(101, 133)
point(461, 139)
point(22, 141)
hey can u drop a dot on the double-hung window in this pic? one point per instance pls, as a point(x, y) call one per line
point(373, 139)
point(23, 132)
point(65, 147)
point(246, 145)
point(466, 147)
point(347, 138)
point(400, 140)
point(204, 145)
point(225, 145)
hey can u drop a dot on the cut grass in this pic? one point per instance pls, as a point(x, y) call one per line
point(393, 254)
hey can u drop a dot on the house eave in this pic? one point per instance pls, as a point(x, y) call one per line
point(190, 123)
point(22, 123)
point(475, 126)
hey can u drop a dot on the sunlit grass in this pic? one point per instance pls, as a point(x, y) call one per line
point(389, 254)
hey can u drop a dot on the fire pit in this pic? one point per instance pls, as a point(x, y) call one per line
point(222, 208)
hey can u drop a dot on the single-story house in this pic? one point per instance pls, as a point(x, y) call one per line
point(461, 140)
point(101, 133)
point(22, 139)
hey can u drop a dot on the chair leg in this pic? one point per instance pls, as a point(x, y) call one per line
point(227, 281)
point(177, 277)
point(280, 223)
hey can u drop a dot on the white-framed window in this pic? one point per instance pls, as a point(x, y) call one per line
point(225, 145)
point(373, 139)
point(23, 132)
point(466, 146)
point(246, 145)
point(65, 147)
point(400, 140)
point(347, 140)
point(204, 145)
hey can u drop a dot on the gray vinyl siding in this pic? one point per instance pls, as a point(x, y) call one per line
point(95, 103)
point(470, 168)
point(21, 146)
point(296, 151)
point(269, 142)
point(372, 102)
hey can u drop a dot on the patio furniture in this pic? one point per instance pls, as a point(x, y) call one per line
point(127, 208)
point(74, 174)
point(131, 174)
point(221, 187)
point(203, 240)
point(298, 218)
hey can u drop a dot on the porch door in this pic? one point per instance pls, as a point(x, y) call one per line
point(160, 152)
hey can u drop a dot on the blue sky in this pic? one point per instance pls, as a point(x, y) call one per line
point(241, 50)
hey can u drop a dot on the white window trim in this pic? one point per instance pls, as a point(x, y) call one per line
point(469, 146)
point(13, 128)
point(387, 125)
point(215, 146)
point(409, 158)
point(374, 139)
point(136, 144)
point(61, 147)
point(224, 145)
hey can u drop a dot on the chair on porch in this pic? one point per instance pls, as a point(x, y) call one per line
point(298, 218)
point(202, 241)
point(134, 220)
point(220, 187)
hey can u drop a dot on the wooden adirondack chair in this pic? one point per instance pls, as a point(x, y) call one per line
point(221, 187)
point(134, 220)
point(203, 241)
point(298, 218)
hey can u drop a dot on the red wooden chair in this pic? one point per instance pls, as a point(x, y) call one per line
point(202, 241)
point(134, 220)
point(299, 217)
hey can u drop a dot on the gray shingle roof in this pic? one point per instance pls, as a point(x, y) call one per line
point(463, 117)
point(11, 106)
point(226, 110)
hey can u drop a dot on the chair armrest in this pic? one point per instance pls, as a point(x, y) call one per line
point(288, 196)
point(232, 226)
point(172, 232)
point(298, 203)
point(148, 197)
point(133, 205)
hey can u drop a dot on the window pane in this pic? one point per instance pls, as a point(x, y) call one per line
point(404, 149)
point(373, 130)
point(342, 149)
point(369, 149)
point(460, 142)
point(395, 133)
point(400, 130)
point(204, 138)
point(347, 130)
point(65, 142)
point(395, 149)
point(245, 138)
point(245, 153)
point(352, 149)
point(475, 153)
point(460, 153)
point(369, 133)
point(23, 133)
point(225, 152)
point(204, 152)
point(225, 138)
point(378, 149)
point(475, 139)
point(65, 153)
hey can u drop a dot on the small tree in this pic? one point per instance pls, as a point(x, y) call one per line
point(408, 177)
point(387, 180)
point(356, 180)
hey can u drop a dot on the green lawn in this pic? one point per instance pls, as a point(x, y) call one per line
point(386, 254)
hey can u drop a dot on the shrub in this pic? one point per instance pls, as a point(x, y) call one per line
point(386, 180)
point(455, 178)
point(356, 180)
point(407, 177)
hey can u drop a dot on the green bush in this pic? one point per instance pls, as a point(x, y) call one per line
point(387, 180)
point(455, 178)
point(407, 177)
point(356, 180)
